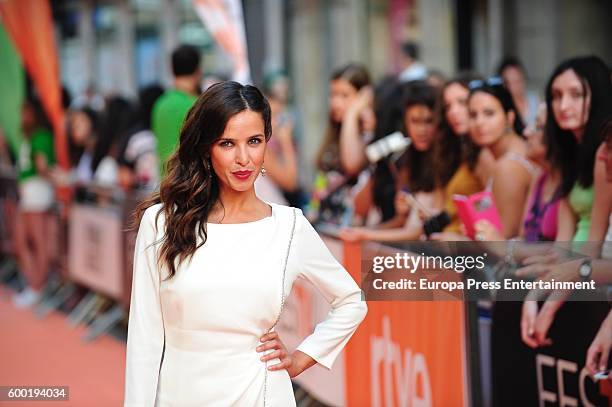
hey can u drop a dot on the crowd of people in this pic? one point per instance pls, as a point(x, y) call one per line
point(543, 160)
point(544, 166)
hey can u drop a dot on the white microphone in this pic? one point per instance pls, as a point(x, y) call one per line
point(395, 142)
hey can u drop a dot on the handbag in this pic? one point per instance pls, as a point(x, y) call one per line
point(282, 302)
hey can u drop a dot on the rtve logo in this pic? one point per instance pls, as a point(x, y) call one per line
point(401, 373)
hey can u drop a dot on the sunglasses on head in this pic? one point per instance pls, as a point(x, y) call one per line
point(479, 83)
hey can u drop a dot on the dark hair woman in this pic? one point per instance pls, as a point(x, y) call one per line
point(340, 157)
point(462, 165)
point(416, 174)
point(345, 85)
point(213, 264)
point(494, 125)
point(83, 131)
point(579, 99)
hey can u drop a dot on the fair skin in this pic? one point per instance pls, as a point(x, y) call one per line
point(605, 155)
point(341, 95)
point(490, 128)
point(570, 103)
point(535, 323)
point(455, 108)
point(241, 149)
point(419, 122)
point(599, 351)
point(358, 117)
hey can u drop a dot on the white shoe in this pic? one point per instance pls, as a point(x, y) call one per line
point(26, 298)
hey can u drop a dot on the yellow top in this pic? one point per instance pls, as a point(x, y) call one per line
point(463, 182)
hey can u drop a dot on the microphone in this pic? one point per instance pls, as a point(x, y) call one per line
point(393, 143)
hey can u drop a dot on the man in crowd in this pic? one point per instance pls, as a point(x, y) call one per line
point(171, 108)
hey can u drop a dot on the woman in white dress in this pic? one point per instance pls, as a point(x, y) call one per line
point(213, 265)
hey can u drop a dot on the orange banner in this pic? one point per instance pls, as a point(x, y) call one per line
point(405, 353)
point(29, 23)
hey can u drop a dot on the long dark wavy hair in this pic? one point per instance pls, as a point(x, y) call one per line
point(576, 160)
point(190, 189)
point(420, 165)
point(453, 149)
point(389, 111)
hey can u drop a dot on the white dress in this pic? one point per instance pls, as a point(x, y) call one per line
point(192, 339)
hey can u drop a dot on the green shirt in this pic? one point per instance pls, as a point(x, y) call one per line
point(41, 142)
point(167, 118)
point(581, 201)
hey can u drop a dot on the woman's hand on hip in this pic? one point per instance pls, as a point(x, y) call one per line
point(294, 363)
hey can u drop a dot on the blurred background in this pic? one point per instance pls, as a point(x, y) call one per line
point(121, 46)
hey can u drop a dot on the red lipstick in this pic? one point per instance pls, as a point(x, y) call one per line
point(242, 175)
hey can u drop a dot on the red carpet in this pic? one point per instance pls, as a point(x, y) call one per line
point(50, 352)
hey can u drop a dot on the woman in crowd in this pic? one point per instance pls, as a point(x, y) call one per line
point(336, 171)
point(579, 95)
point(463, 166)
point(494, 125)
point(418, 189)
point(374, 202)
point(539, 223)
point(82, 135)
point(541, 213)
point(344, 90)
point(281, 158)
point(36, 198)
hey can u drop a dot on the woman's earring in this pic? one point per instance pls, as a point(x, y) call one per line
point(263, 171)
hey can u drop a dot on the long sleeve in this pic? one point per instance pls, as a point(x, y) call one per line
point(318, 266)
point(145, 341)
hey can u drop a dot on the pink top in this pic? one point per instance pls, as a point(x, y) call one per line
point(541, 220)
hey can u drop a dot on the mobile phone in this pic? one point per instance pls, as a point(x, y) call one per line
point(604, 374)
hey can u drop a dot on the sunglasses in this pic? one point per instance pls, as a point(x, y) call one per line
point(479, 83)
